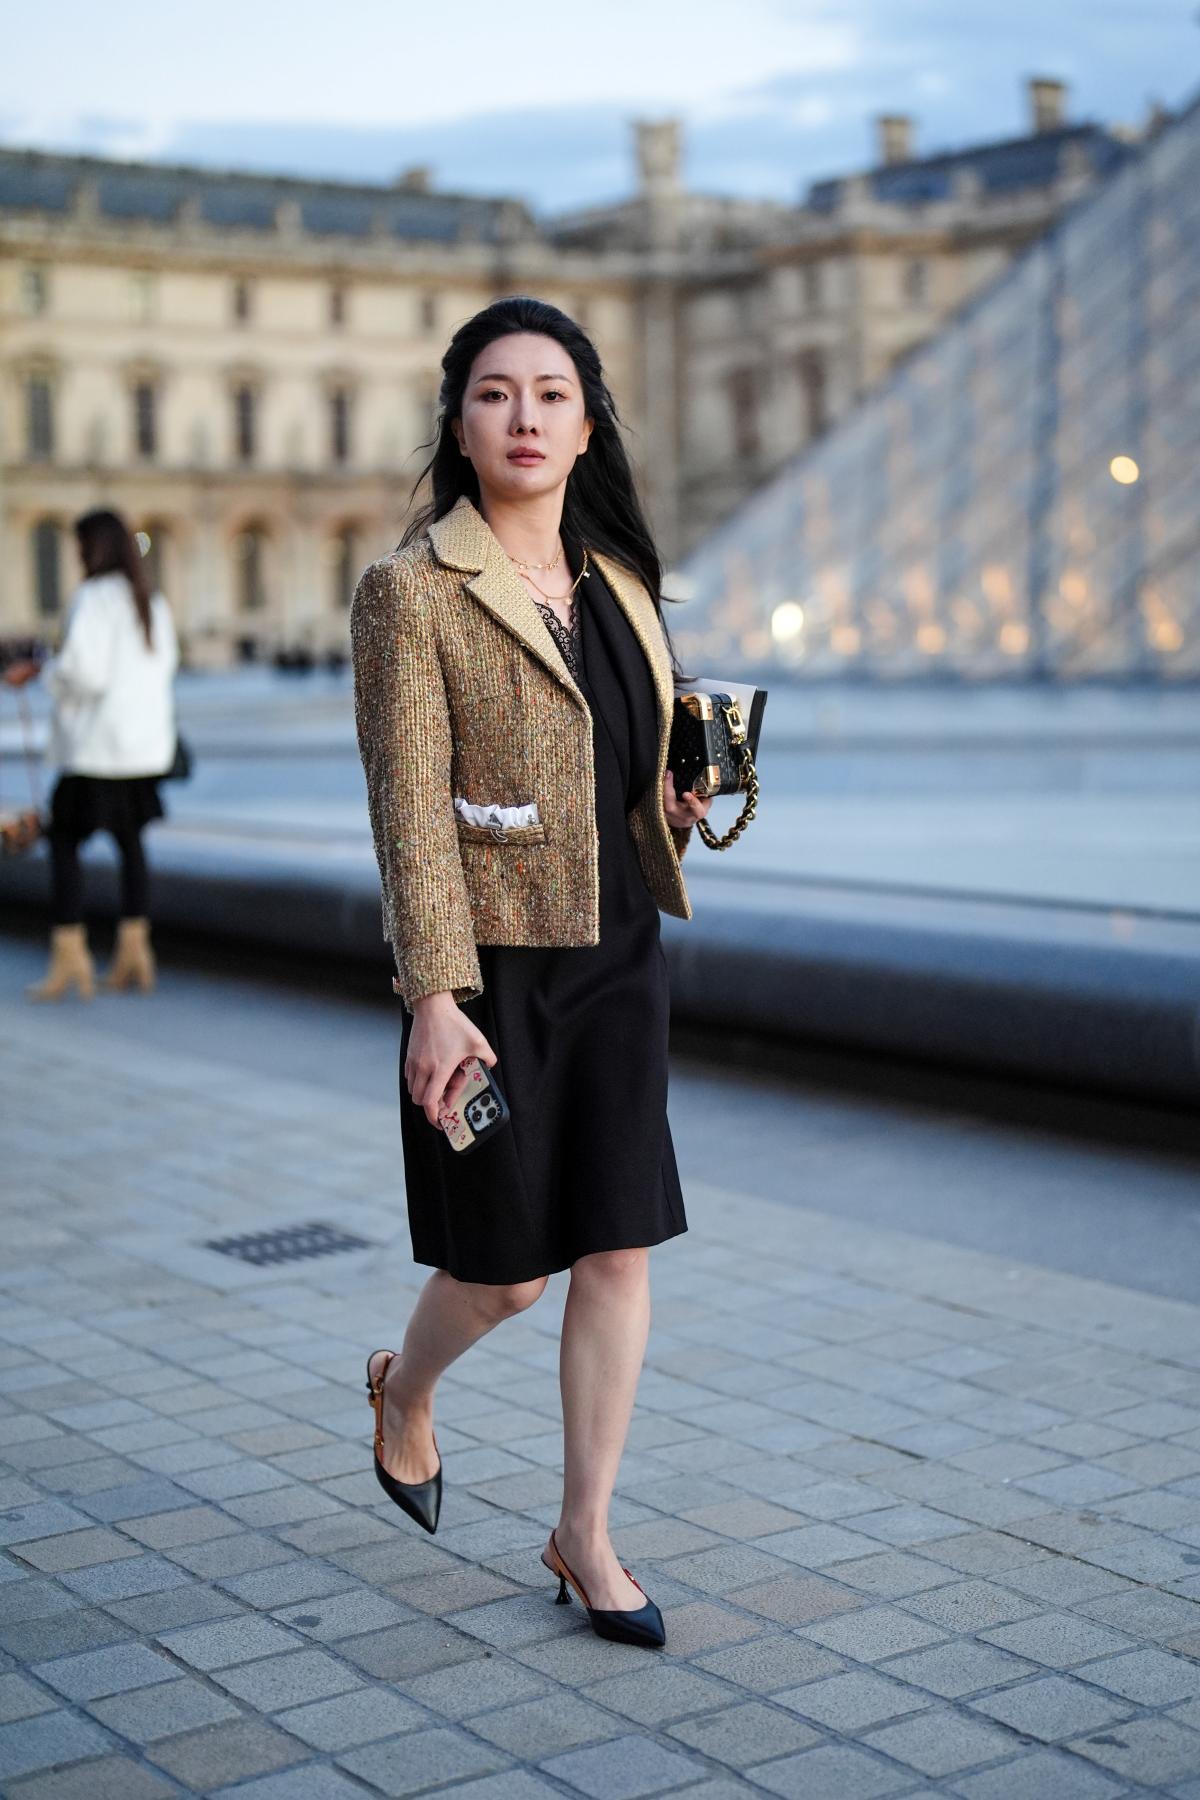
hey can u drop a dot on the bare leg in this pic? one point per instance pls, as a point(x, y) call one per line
point(605, 1325)
point(448, 1318)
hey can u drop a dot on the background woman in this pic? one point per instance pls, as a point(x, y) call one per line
point(512, 653)
point(112, 737)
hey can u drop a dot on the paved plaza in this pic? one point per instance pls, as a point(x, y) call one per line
point(922, 1520)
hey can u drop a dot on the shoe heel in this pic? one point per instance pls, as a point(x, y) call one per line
point(563, 1597)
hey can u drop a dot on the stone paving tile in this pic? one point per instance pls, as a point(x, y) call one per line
point(833, 1769)
point(1052, 1707)
point(744, 1734)
point(227, 1753)
point(1154, 1751)
point(459, 1690)
point(851, 1701)
point(537, 1729)
point(106, 1778)
point(623, 1769)
point(46, 1741)
point(235, 1640)
point(423, 1759)
point(96, 1673)
point(361, 1716)
point(162, 1711)
point(314, 1781)
point(1038, 1775)
point(942, 1742)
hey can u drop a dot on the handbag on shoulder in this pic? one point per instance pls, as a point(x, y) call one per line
point(714, 744)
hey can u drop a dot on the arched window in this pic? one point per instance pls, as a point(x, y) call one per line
point(345, 567)
point(47, 568)
point(250, 557)
point(916, 280)
point(337, 304)
point(243, 302)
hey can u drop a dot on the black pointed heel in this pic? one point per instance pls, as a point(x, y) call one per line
point(643, 1626)
point(421, 1500)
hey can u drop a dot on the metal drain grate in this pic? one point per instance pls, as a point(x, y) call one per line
point(291, 1243)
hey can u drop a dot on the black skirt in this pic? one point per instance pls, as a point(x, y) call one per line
point(82, 804)
point(580, 1034)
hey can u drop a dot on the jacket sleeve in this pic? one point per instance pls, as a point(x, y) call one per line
point(403, 726)
point(82, 669)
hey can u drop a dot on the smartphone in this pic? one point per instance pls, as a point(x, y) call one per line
point(479, 1110)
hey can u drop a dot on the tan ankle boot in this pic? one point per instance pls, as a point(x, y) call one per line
point(70, 966)
point(133, 964)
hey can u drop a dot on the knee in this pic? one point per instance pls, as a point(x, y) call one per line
point(504, 1301)
point(608, 1270)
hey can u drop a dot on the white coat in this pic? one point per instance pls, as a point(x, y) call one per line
point(113, 705)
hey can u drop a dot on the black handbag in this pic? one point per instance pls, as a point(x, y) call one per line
point(714, 745)
point(181, 764)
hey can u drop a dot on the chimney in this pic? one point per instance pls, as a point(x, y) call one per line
point(659, 153)
point(1046, 109)
point(415, 180)
point(894, 134)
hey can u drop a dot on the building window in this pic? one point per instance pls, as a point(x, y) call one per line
point(344, 568)
point(916, 281)
point(815, 415)
point(145, 420)
point(142, 297)
point(242, 301)
point(35, 291)
point(249, 550)
point(337, 306)
point(244, 422)
point(743, 403)
point(429, 312)
point(47, 568)
point(339, 426)
point(39, 417)
point(810, 285)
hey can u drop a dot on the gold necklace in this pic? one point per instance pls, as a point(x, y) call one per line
point(545, 568)
point(570, 593)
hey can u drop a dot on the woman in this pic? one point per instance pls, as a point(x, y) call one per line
point(113, 737)
point(512, 655)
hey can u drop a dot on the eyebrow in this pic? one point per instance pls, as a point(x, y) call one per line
point(497, 375)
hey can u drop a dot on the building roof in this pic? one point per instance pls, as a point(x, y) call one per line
point(1012, 163)
point(39, 182)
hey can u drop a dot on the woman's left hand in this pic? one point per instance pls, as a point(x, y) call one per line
point(682, 810)
point(18, 673)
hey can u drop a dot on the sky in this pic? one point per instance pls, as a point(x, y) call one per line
point(536, 100)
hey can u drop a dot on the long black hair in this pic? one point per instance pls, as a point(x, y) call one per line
point(601, 508)
point(108, 547)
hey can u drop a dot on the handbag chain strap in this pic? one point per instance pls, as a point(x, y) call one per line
point(737, 740)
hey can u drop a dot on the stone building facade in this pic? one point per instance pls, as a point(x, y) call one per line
point(245, 366)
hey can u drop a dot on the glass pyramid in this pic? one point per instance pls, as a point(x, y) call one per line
point(1021, 497)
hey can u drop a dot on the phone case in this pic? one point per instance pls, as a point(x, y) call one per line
point(478, 1113)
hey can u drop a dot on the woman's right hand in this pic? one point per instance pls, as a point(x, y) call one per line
point(441, 1038)
point(18, 673)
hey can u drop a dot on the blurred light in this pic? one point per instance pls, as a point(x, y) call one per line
point(845, 639)
point(931, 638)
point(1165, 634)
point(1014, 637)
point(787, 621)
point(142, 540)
point(1124, 470)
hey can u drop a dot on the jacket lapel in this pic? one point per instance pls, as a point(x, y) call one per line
point(462, 540)
point(639, 609)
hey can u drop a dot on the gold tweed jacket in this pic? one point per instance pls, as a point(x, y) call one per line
point(461, 692)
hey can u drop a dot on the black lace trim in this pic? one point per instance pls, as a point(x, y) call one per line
point(565, 636)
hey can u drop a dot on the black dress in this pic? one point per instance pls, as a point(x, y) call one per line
point(580, 1035)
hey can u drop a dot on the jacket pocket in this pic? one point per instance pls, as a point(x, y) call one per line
point(469, 833)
